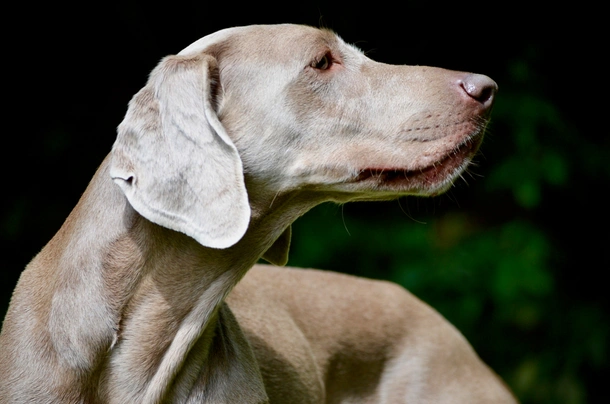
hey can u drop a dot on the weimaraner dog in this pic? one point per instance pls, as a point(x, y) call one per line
point(148, 294)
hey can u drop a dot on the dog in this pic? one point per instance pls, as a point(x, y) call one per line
point(149, 292)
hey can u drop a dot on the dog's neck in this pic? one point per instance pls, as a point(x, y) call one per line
point(159, 291)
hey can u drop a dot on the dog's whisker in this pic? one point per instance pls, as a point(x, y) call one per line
point(274, 197)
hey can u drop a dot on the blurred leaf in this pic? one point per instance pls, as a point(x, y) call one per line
point(555, 168)
point(527, 193)
point(531, 162)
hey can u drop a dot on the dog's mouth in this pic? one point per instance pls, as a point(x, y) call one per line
point(428, 180)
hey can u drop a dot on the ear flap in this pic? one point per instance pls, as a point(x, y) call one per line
point(173, 159)
point(277, 254)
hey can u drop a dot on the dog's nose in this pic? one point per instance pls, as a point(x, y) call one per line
point(480, 87)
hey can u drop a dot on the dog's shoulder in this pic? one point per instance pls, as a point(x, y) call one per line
point(347, 307)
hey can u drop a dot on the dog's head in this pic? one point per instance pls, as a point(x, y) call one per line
point(293, 109)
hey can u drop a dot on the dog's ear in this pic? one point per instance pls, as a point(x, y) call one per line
point(277, 254)
point(173, 159)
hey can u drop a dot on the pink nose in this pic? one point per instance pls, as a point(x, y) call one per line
point(481, 88)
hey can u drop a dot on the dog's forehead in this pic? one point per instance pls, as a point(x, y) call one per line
point(209, 40)
point(268, 37)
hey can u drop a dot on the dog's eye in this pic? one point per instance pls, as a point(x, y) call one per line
point(323, 63)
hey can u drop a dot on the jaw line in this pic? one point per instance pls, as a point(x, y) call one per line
point(429, 180)
point(343, 183)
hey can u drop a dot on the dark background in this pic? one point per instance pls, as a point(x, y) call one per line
point(516, 258)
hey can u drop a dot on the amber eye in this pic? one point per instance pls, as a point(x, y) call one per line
point(323, 63)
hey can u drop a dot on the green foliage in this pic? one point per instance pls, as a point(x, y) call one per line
point(531, 162)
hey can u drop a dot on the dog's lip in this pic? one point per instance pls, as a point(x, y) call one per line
point(424, 177)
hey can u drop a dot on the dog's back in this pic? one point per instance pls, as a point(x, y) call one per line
point(355, 339)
